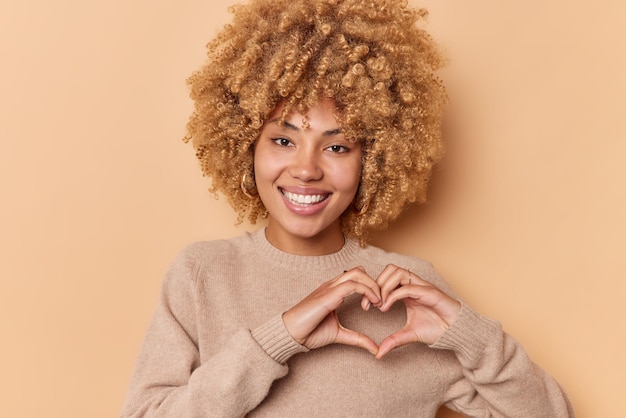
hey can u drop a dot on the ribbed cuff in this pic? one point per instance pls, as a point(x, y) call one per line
point(468, 335)
point(274, 338)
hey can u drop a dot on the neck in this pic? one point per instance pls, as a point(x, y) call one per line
point(326, 242)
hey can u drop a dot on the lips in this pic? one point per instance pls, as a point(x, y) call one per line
point(304, 199)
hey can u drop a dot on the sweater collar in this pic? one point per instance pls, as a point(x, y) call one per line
point(343, 259)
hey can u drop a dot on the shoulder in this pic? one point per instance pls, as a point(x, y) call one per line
point(207, 251)
point(192, 261)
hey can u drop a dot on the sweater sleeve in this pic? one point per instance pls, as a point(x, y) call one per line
point(498, 379)
point(172, 380)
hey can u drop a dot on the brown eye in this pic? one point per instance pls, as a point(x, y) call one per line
point(337, 149)
point(283, 142)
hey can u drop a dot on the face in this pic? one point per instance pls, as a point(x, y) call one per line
point(306, 178)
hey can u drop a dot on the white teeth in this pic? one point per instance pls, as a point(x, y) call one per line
point(303, 199)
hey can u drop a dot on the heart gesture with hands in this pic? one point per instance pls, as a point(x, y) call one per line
point(313, 321)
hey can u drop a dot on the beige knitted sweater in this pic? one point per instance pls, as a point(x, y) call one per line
point(217, 347)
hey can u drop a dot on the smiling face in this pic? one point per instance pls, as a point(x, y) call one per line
point(306, 178)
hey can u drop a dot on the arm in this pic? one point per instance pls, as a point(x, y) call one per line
point(498, 377)
point(171, 379)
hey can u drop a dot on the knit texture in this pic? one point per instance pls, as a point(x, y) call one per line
point(217, 346)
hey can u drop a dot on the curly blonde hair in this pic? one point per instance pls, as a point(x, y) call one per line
point(369, 56)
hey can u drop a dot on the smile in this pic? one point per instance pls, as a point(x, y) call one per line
point(304, 199)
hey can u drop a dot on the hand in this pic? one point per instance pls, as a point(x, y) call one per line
point(429, 311)
point(313, 321)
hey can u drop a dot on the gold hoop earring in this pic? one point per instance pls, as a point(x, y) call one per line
point(244, 188)
point(363, 209)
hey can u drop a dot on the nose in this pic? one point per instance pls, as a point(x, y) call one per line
point(305, 166)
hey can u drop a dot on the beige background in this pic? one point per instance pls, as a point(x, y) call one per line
point(526, 218)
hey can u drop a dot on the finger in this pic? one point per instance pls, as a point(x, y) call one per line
point(390, 278)
point(358, 274)
point(393, 276)
point(402, 337)
point(351, 287)
point(444, 306)
point(365, 302)
point(350, 337)
point(425, 295)
point(416, 279)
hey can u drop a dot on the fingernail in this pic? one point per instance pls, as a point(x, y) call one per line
point(367, 307)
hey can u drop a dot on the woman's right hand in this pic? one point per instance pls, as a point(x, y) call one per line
point(313, 321)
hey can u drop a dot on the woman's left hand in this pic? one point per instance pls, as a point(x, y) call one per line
point(429, 311)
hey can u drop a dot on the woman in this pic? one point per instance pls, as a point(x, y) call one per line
point(323, 117)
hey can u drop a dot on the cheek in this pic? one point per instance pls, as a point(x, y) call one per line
point(349, 177)
point(266, 168)
point(260, 163)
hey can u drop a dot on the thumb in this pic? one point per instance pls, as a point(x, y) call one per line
point(395, 340)
point(349, 337)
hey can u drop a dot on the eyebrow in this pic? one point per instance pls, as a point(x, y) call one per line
point(294, 128)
